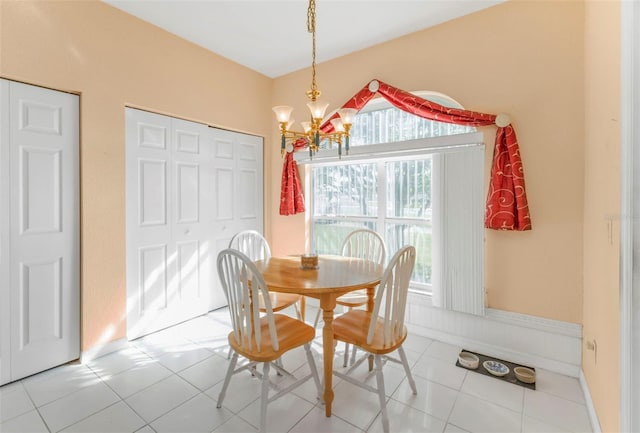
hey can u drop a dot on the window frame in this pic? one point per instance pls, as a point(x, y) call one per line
point(467, 297)
point(381, 153)
point(381, 219)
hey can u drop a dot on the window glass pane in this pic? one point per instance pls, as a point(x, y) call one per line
point(390, 125)
point(328, 234)
point(409, 189)
point(399, 235)
point(345, 190)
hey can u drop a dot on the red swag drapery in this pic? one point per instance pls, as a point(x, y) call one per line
point(506, 207)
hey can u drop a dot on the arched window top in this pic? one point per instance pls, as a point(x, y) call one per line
point(379, 102)
point(380, 122)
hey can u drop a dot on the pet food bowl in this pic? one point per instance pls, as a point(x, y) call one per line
point(496, 368)
point(468, 360)
point(524, 374)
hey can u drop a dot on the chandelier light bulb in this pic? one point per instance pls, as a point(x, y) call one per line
point(283, 112)
point(337, 124)
point(347, 115)
point(317, 109)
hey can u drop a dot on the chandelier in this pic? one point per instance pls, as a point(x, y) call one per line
point(312, 134)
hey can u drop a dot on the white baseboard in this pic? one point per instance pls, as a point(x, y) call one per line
point(593, 416)
point(104, 349)
point(529, 340)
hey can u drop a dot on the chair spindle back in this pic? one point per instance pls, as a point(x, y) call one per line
point(243, 284)
point(391, 296)
point(365, 244)
point(252, 244)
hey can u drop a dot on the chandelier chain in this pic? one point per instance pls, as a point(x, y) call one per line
point(311, 28)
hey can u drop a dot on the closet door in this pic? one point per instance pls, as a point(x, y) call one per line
point(5, 193)
point(44, 228)
point(238, 190)
point(189, 189)
point(168, 264)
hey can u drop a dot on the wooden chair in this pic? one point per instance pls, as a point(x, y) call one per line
point(363, 244)
point(259, 339)
point(254, 246)
point(381, 331)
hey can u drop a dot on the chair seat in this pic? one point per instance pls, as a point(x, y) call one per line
point(280, 301)
point(291, 333)
point(353, 326)
point(357, 298)
point(354, 299)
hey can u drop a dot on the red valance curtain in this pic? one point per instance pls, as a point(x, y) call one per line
point(506, 207)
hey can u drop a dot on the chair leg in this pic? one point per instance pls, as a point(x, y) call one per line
point(265, 396)
point(298, 314)
point(317, 319)
point(381, 395)
point(229, 353)
point(346, 355)
point(407, 370)
point(314, 370)
point(227, 379)
point(353, 354)
point(279, 364)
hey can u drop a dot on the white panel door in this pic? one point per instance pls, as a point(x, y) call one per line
point(190, 214)
point(44, 228)
point(189, 189)
point(168, 269)
point(5, 193)
point(237, 190)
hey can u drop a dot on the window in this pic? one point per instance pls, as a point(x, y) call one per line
point(390, 197)
point(414, 181)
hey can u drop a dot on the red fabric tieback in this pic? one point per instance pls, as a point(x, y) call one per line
point(291, 197)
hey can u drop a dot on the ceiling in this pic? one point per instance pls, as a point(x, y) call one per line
point(271, 37)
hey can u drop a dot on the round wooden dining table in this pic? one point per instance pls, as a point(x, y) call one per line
point(334, 276)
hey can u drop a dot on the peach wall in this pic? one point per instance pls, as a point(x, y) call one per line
point(522, 58)
point(114, 60)
point(601, 209)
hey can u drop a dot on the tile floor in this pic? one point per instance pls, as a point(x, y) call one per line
point(169, 382)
